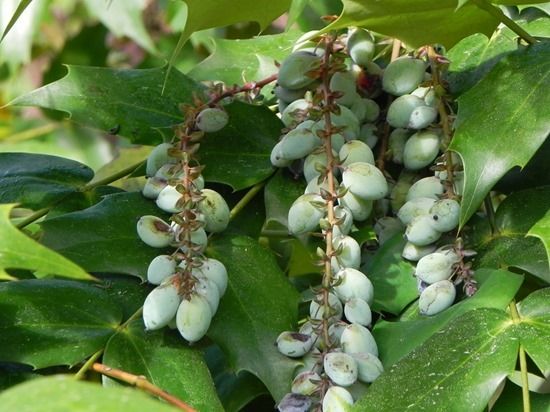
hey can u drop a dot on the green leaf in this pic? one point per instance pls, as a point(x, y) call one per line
point(507, 106)
point(511, 400)
point(457, 369)
point(123, 18)
point(63, 393)
point(408, 20)
point(128, 102)
point(237, 61)
point(397, 339)
point(541, 229)
point(54, 322)
point(17, 251)
point(164, 358)
point(514, 218)
point(238, 155)
point(127, 292)
point(23, 4)
point(37, 181)
point(280, 192)
point(103, 238)
point(392, 277)
point(259, 304)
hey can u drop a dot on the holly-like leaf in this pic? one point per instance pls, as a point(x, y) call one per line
point(541, 229)
point(54, 322)
point(123, 18)
point(164, 358)
point(506, 110)
point(17, 251)
point(238, 155)
point(397, 339)
point(459, 367)
point(64, 393)
point(103, 238)
point(407, 20)
point(37, 181)
point(258, 305)
point(126, 102)
point(392, 277)
point(514, 218)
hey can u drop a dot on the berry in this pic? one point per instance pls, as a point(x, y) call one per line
point(294, 344)
point(365, 181)
point(154, 231)
point(212, 119)
point(215, 211)
point(160, 305)
point(403, 75)
point(296, 70)
point(436, 298)
point(193, 318)
point(358, 339)
point(421, 149)
point(360, 44)
point(341, 368)
point(160, 268)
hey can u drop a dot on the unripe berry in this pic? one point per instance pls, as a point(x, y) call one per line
point(153, 186)
point(295, 70)
point(355, 151)
point(403, 75)
point(305, 213)
point(337, 399)
point(291, 114)
point(168, 198)
point(341, 368)
point(313, 163)
point(306, 383)
point(193, 318)
point(427, 94)
point(396, 144)
point(277, 158)
point(212, 119)
point(357, 339)
point(400, 110)
point(435, 267)
point(214, 270)
point(345, 217)
point(368, 134)
point(287, 95)
point(315, 187)
point(160, 305)
point(421, 149)
point(299, 142)
point(365, 181)
point(369, 366)
point(215, 211)
point(336, 329)
point(358, 311)
point(198, 238)
point(344, 83)
point(316, 311)
point(154, 231)
point(360, 45)
point(352, 283)
point(349, 253)
point(345, 120)
point(426, 187)
point(386, 227)
point(445, 214)
point(415, 207)
point(360, 208)
point(415, 253)
point(157, 158)
point(421, 232)
point(208, 290)
point(422, 117)
point(436, 298)
point(160, 268)
point(294, 344)
point(366, 110)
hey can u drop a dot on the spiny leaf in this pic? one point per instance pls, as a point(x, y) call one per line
point(18, 12)
point(541, 229)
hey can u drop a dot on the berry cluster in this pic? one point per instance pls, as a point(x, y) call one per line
point(189, 285)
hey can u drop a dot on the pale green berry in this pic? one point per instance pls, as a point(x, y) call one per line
point(299, 142)
point(421, 149)
point(310, 362)
point(288, 95)
point(337, 399)
point(358, 339)
point(153, 186)
point(435, 267)
point(387, 227)
point(369, 366)
point(360, 45)
point(215, 211)
point(316, 311)
point(355, 151)
point(294, 402)
point(445, 214)
point(341, 368)
point(314, 162)
point(345, 219)
point(295, 71)
point(335, 330)
point(400, 110)
point(212, 119)
point(160, 268)
point(426, 187)
point(403, 75)
point(396, 144)
point(198, 239)
point(427, 94)
point(157, 158)
point(352, 283)
point(337, 140)
point(215, 271)
point(169, 171)
point(208, 290)
point(415, 207)
point(308, 329)
point(360, 208)
point(399, 191)
point(305, 213)
point(154, 231)
point(366, 110)
point(315, 187)
point(422, 117)
point(306, 383)
point(294, 344)
point(421, 232)
point(160, 305)
point(368, 134)
point(345, 120)
point(358, 311)
point(344, 83)
point(348, 253)
point(365, 181)
point(415, 253)
point(193, 318)
point(168, 199)
point(294, 112)
point(436, 298)
point(306, 40)
point(277, 158)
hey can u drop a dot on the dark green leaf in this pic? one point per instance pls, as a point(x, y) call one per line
point(259, 304)
point(103, 238)
point(164, 358)
point(280, 192)
point(457, 369)
point(238, 155)
point(54, 322)
point(541, 229)
point(507, 106)
point(392, 277)
point(397, 339)
point(23, 4)
point(408, 20)
point(129, 102)
point(511, 400)
point(17, 251)
point(64, 393)
point(127, 292)
point(37, 181)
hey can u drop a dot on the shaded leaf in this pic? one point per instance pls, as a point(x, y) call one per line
point(54, 322)
point(473, 355)
point(127, 292)
point(515, 116)
point(407, 20)
point(64, 393)
point(36, 181)
point(17, 251)
point(103, 238)
point(164, 358)
point(259, 304)
point(397, 339)
point(511, 400)
point(541, 229)
point(280, 192)
point(128, 101)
